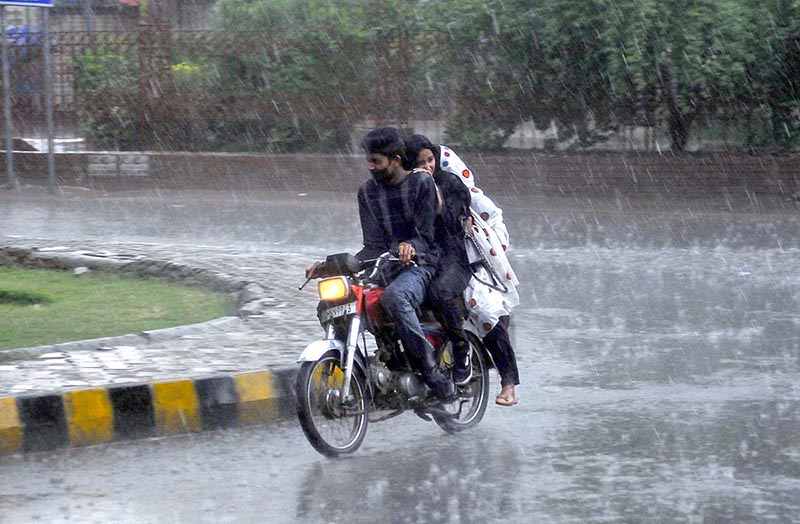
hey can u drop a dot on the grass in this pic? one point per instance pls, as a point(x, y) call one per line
point(39, 307)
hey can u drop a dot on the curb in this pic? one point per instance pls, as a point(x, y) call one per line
point(100, 415)
point(84, 417)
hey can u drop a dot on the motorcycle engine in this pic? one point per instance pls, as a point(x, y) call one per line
point(411, 385)
point(404, 383)
point(381, 377)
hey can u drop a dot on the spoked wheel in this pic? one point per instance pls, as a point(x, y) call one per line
point(468, 409)
point(332, 425)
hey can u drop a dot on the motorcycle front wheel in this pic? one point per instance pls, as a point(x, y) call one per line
point(332, 425)
point(468, 410)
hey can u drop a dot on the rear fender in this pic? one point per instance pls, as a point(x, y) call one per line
point(476, 341)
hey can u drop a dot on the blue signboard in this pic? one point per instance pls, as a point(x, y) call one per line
point(29, 3)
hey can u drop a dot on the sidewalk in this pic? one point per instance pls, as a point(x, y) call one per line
point(230, 371)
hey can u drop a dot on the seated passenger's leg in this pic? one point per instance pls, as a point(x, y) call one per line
point(498, 343)
point(444, 295)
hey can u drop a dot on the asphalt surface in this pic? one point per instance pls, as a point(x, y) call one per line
point(243, 242)
point(657, 337)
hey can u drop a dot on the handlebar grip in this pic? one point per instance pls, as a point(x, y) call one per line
point(318, 271)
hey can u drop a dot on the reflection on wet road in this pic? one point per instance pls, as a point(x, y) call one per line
point(660, 367)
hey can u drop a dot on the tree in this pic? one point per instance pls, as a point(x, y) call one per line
point(632, 62)
point(561, 52)
point(684, 58)
point(472, 78)
point(309, 78)
point(771, 84)
point(297, 74)
point(524, 60)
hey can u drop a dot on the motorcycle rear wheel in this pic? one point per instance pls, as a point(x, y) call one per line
point(468, 410)
point(332, 426)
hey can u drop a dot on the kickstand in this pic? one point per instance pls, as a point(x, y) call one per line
point(421, 414)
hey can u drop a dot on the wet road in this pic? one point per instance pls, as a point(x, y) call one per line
point(328, 221)
point(659, 346)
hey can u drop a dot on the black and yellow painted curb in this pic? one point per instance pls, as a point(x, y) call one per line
point(106, 414)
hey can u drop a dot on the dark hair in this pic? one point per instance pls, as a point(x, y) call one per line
point(415, 144)
point(385, 141)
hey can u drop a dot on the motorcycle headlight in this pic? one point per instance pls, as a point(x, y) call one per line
point(335, 288)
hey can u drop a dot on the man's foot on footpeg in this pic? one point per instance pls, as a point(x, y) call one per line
point(447, 393)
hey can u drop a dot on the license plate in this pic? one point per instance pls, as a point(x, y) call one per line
point(339, 311)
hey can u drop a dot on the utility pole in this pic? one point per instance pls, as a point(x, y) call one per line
point(12, 181)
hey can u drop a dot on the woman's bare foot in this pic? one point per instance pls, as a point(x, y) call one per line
point(507, 396)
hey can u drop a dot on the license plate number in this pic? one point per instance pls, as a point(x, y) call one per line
point(339, 311)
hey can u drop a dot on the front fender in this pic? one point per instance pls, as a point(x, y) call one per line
point(316, 349)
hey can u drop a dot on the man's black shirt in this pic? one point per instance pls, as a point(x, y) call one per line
point(405, 212)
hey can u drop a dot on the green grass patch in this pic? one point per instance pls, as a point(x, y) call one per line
point(40, 307)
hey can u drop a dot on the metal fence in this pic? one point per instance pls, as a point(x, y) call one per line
point(160, 87)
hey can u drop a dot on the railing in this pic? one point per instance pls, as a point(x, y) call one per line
point(164, 86)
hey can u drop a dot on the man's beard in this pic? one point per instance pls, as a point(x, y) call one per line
point(381, 175)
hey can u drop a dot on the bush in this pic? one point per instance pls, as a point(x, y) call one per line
point(105, 85)
point(473, 133)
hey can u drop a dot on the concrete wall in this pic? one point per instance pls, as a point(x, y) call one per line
point(522, 172)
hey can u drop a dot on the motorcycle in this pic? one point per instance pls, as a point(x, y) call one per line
point(344, 383)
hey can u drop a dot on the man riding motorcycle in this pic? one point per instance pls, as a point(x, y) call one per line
point(397, 209)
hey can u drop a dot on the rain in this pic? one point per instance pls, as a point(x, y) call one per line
point(644, 155)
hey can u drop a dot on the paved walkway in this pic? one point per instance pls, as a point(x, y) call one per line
point(274, 324)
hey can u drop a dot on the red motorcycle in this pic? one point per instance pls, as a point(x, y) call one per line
point(347, 380)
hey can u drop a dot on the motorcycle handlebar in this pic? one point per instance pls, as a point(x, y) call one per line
point(345, 263)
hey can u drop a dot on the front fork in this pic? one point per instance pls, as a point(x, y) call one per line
point(349, 355)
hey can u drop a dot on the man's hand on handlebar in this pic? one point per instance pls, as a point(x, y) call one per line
point(312, 269)
point(405, 252)
point(311, 272)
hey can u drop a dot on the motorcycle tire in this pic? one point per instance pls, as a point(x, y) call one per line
point(332, 427)
point(468, 410)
